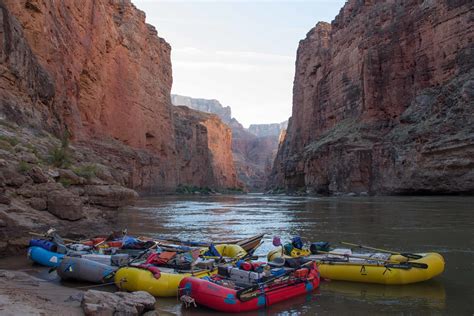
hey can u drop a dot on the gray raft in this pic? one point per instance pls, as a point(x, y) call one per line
point(85, 270)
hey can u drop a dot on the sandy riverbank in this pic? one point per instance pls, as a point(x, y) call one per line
point(24, 294)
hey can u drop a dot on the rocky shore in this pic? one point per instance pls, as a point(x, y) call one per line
point(46, 182)
point(24, 294)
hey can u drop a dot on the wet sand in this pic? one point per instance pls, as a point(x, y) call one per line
point(23, 294)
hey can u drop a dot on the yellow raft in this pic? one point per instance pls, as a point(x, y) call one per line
point(136, 279)
point(228, 250)
point(369, 272)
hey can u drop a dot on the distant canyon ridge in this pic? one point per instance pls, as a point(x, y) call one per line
point(253, 149)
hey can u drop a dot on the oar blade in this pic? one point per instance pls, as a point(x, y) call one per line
point(411, 256)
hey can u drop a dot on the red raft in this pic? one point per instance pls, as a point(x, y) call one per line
point(211, 294)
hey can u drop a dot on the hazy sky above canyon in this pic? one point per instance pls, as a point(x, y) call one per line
point(241, 53)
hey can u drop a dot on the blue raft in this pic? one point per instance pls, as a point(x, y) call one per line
point(45, 257)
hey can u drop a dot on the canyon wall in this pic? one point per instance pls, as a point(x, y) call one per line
point(109, 76)
point(383, 102)
point(253, 149)
point(204, 147)
point(96, 71)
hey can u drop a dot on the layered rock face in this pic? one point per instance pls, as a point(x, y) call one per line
point(253, 149)
point(96, 68)
point(262, 130)
point(204, 105)
point(203, 145)
point(383, 102)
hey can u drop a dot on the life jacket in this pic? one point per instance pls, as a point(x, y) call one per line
point(212, 252)
point(297, 242)
point(160, 258)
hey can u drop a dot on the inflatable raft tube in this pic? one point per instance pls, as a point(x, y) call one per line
point(228, 250)
point(44, 257)
point(136, 279)
point(82, 269)
point(224, 299)
point(378, 273)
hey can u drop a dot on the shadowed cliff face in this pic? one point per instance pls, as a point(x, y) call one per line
point(25, 86)
point(97, 70)
point(383, 102)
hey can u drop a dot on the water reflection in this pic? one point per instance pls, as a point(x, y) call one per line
point(430, 293)
point(414, 224)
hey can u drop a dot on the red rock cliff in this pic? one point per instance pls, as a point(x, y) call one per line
point(98, 70)
point(253, 149)
point(383, 102)
point(111, 74)
point(204, 146)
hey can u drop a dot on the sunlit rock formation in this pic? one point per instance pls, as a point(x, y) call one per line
point(254, 149)
point(204, 147)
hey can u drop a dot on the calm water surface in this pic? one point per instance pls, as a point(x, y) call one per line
point(414, 224)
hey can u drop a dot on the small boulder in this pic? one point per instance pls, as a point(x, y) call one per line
point(76, 190)
point(39, 190)
point(95, 303)
point(70, 177)
point(112, 196)
point(37, 203)
point(27, 157)
point(13, 178)
point(65, 205)
point(2, 180)
point(37, 174)
point(4, 199)
point(53, 173)
point(103, 173)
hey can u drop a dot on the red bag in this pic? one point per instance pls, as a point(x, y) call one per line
point(160, 258)
point(301, 273)
point(154, 270)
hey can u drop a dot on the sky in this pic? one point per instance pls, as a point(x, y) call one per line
point(239, 52)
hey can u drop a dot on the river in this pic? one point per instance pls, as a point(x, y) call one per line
point(413, 224)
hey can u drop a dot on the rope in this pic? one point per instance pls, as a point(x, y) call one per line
point(93, 286)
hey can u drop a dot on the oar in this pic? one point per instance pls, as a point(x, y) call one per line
point(394, 264)
point(143, 253)
point(44, 235)
point(404, 254)
point(250, 295)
